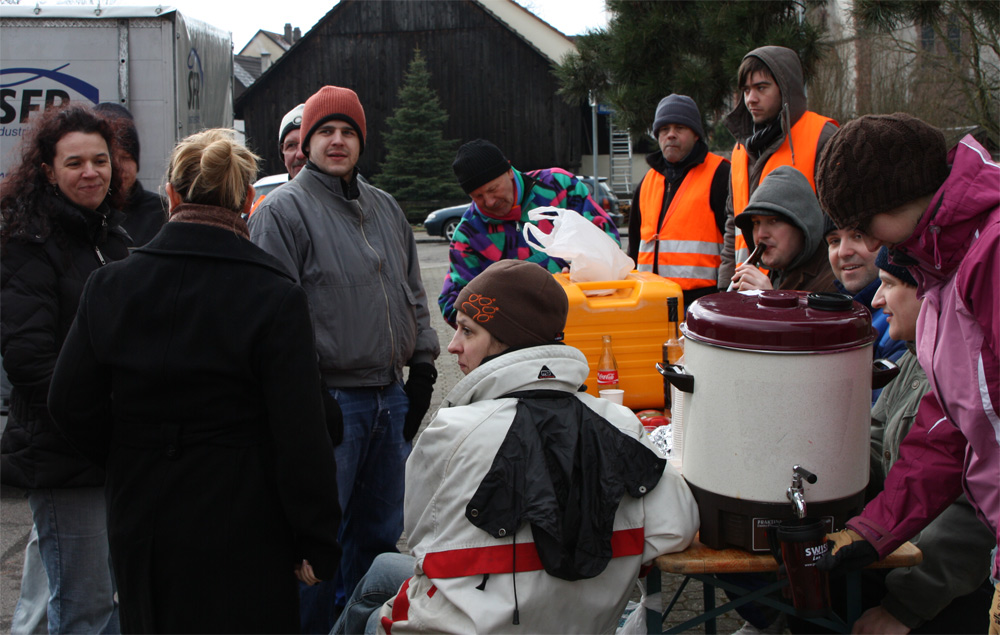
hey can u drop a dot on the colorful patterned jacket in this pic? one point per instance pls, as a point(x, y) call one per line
point(479, 240)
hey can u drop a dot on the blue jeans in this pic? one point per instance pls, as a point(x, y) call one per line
point(381, 583)
point(30, 612)
point(73, 542)
point(371, 463)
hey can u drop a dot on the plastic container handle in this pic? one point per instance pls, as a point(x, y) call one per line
point(599, 300)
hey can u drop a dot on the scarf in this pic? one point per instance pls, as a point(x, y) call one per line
point(763, 136)
point(515, 210)
point(212, 216)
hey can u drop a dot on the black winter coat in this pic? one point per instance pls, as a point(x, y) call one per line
point(41, 278)
point(145, 214)
point(191, 373)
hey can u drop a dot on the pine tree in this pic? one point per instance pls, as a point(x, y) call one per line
point(417, 166)
point(651, 49)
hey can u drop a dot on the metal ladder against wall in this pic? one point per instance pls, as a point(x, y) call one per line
point(621, 160)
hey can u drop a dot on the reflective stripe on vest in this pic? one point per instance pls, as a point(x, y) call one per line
point(688, 246)
point(805, 138)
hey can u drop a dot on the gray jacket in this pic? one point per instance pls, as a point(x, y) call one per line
point(956, 544)
point(354, 254)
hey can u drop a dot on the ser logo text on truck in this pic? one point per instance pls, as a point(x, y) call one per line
point(20, 94)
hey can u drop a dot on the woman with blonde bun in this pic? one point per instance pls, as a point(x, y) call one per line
point(190, 374)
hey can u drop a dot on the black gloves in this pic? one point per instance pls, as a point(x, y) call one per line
point(419, 387)
point(850, 552)
point(334, 417)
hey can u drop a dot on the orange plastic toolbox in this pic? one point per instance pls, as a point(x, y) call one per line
point(636, 318)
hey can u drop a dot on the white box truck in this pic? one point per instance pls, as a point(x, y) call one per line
point(173, 73)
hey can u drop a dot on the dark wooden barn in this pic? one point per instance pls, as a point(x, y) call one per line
point(491, 65)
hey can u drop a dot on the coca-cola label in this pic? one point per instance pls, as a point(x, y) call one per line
point(605, 377)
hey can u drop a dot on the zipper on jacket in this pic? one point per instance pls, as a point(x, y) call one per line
point(100, 256)
point(385, 295)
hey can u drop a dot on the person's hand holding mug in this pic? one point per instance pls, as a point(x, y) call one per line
point(850, 552)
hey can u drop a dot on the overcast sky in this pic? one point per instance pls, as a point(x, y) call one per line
point(246, 17)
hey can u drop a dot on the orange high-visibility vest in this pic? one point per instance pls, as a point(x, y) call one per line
point(253, 208)
point(687, 246)
point(805, 138)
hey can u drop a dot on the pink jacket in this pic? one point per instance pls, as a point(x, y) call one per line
point(955, 440)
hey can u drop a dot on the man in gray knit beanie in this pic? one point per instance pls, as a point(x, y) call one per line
point(681, 203)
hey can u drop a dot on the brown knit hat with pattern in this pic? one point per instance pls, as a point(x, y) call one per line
point(332, 102)
point(877, 163)
point(518, 302)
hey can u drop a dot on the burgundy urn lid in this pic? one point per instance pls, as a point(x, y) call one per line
point(779, 321)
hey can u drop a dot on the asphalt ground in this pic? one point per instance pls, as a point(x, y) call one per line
point(15, 516)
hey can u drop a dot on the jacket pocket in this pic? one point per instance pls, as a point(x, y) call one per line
point(407, 328)
point(351, 326)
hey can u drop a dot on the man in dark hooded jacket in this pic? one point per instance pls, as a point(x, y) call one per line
point(785, 216)
point(772, 128)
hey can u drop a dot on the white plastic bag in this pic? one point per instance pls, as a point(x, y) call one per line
point(592, 254)
point(633, 619)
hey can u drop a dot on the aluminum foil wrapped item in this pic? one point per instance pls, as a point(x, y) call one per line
point(662, 438)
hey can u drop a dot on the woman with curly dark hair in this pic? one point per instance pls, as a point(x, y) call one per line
point(57, 225)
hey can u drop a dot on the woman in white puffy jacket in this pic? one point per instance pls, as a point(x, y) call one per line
point(530, 506)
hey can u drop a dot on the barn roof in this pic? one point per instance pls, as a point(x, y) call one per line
point(541, 36)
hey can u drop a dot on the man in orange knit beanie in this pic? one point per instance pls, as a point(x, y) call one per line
point(351, 248)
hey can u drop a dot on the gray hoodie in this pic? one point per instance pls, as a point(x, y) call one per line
point(787, 193)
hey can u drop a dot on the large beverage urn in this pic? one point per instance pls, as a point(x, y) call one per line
point(776, 398)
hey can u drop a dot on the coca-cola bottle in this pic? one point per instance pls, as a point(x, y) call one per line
point(607, 367)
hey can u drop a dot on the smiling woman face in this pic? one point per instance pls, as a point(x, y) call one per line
point(81, 168)
point(900, 306)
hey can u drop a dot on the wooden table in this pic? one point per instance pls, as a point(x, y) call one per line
point(701, 563)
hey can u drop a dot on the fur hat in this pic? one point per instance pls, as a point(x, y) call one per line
point(877, 163)
point(678, 109)
point(884, 262)
point(477, 163)
point(517, 302)
point(333, 102)
point(291, 121)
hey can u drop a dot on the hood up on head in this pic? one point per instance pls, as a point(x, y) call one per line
point(787, 70)
point(787, 193)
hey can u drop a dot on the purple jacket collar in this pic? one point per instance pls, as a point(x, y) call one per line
point(956, 212)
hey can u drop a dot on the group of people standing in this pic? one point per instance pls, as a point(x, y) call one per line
point(222, 412)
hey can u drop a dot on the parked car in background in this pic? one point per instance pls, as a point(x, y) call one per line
point(605, 198)
point(268, 184)
point(442, 222)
